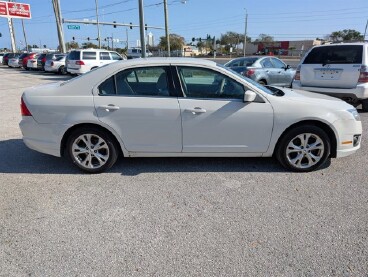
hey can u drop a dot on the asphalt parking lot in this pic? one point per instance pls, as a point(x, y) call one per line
point(175, 216)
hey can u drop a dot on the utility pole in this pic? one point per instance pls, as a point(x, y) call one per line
point(365, 32)
point(167, 28)
point(245, 32)
point(98, 26)
point(127, 38)
point(141, 28)
point(12, 35)
point(59, 26)
point(25, 37)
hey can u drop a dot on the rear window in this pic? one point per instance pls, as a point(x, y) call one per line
point(74, 55)
point(89, 55)
point(337, 54)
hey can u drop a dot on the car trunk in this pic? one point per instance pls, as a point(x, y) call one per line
point(332, 67)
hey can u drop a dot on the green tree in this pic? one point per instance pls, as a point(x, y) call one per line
point(86, 45)
point(264, 38)
point(176, 42)
point(71, 45)
point(346, 35)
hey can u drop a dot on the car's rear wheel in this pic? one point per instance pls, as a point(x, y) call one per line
point(92, 150)
point(304, 148)
point(62, 70)
point(365, 105)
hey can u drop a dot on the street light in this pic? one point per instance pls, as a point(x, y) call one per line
point(98, 26)
point(245, 32)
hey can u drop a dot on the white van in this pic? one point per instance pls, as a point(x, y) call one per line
point(136, 52)
point(83, 60)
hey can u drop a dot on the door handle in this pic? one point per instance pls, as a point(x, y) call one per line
point(196, 110)
point(109, 107)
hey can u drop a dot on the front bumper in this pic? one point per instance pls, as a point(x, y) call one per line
point(347, 142)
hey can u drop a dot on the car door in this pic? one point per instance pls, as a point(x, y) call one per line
point(140, 104)
point(215, 118)
point(284, 73)
point(269, 71)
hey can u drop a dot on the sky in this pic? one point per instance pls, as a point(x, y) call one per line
point(283, 20)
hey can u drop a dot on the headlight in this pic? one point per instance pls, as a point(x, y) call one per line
point(355, 114)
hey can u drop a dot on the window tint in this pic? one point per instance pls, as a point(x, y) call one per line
point(89, 55)
point(277, 63)
point(74, 55)
point(115, 56)
point(205, 83)
point(337, 54)
point(266, 63)
point(107, 87)
point(147, 81)
point(104, 56)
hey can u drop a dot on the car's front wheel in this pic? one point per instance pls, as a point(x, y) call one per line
point(92, 150)
point(304, 148)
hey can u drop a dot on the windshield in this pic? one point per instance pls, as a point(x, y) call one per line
point(259, 86)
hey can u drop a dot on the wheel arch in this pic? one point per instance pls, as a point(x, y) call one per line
point(66, 135)
point(325, 127)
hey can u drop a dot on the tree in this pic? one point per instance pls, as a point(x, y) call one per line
point(71, 45)
point(346, 35)
point(176, 42)
point(86, 45)
point(264, 38)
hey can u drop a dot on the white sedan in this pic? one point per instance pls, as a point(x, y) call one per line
point(166, 107)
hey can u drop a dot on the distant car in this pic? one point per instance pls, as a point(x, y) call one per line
point(1, 57)
point(339, 70)
point(264, 70)
point(14, 61)
point(136, 52)
point(56, 65)
point(182, 107)
point(32, 62)
point(83, 60)
point(23, 59)
point(6, 58)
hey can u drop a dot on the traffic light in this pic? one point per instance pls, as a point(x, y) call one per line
point(145, 27)
point(73, 38)
point(131, 27)
point(1, 35)
point(193, 39)
point(88, 38)
point(114, 25)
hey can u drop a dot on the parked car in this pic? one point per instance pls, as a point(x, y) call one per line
point(57, 65)
point(339, 70)
point(165, 107)
point(6, 58)
point(32, 62)
point(136, 52)
point(41, 60)
point(1, 57)
point(14, 61)
point(264, 70)
point(84, 60)
point(23, 59)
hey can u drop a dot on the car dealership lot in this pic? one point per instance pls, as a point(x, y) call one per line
point(175, 216)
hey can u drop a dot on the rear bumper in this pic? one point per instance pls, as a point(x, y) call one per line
point(357, 93)
point(78, 70)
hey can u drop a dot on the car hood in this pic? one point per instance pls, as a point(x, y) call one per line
point(316, 99)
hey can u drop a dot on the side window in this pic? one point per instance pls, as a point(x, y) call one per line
point(115, 56)
point(277, 63)
point(108, 87)
point(104, 56)
point(89, 55)
point(144, 81)
point(266, 63)
point(205, 83)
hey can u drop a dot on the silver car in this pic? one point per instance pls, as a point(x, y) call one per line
point(264, 70)
point(57, 65)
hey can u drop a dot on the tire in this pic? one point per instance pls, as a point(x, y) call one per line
point(299, 156)
point(61, 70)
point(82, 149)
point(365, 105)
point(262, 82)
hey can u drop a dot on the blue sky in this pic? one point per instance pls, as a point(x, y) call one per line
point(284, 20)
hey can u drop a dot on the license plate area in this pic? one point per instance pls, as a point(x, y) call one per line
point(327, 73)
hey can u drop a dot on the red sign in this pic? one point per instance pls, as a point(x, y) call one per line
point(15, 10)
point(3, 9)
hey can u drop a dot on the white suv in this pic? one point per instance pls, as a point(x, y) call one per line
point(83, 60)
point(339, 70)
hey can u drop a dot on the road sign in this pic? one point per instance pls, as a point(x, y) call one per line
point(15, 10)
point(73, 27)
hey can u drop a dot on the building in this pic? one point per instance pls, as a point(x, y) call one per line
point(150, 40)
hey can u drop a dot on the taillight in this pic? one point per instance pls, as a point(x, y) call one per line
point(249, 72)
point(79, 63)
point(363, 76)
point(52, 63)
point(297, 74)
point(23, 108)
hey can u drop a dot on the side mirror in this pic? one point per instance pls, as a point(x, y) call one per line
point(287, 67)
point(249, 96)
